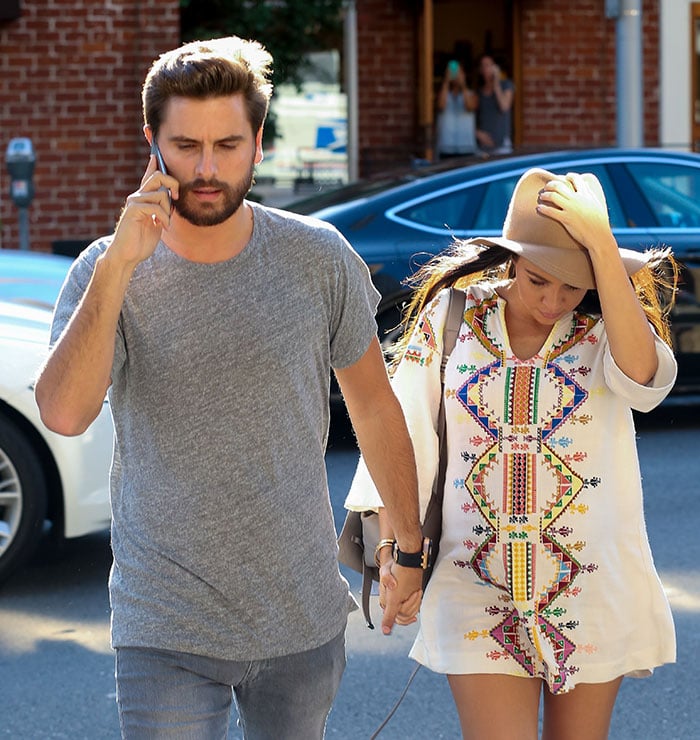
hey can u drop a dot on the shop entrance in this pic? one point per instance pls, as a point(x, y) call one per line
point(463, 30)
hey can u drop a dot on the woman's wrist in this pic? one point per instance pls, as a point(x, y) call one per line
point(380, 558)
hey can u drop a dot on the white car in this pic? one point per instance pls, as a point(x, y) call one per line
point(44, 477)
point(32, 278)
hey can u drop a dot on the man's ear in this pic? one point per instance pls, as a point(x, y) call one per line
point(148, 133)
point(259, 155)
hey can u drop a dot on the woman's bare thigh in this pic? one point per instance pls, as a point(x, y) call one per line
point(495, 706)
point(584, 713)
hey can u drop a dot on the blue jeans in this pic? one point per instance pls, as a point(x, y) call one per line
point(165, 694)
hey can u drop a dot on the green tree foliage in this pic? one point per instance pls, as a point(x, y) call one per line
point(289, 29)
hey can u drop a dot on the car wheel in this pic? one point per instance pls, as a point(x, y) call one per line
point(23, 497)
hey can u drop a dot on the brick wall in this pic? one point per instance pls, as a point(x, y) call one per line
point(566, 76)
point(71, 72)
point(70, 79)
point(567, 94)
point(388, 83)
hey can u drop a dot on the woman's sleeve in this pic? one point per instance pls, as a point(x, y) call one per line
point(416, 383)
point(643, 397)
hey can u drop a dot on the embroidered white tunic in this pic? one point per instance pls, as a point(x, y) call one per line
point(544, 568)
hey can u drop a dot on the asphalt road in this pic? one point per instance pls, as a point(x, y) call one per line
point(56, 667)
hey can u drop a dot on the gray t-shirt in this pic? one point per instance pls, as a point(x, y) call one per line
point(222, 531)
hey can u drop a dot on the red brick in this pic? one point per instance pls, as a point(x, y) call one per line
point(79, 69)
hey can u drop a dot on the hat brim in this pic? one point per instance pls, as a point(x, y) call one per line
point(578, 270)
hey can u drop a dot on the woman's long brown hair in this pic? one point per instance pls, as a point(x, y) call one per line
point(464, 264)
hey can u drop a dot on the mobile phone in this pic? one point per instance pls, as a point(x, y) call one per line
point(453, 68)
point(155, 151)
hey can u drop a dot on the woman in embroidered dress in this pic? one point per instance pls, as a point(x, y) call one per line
point(545, 581)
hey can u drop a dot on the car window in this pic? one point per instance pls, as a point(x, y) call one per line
point(494, 205)
point(493, 208)
point(671, 191)
point(482, 208)
point(452, 210)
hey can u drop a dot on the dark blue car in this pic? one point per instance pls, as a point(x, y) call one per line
point(395, 224)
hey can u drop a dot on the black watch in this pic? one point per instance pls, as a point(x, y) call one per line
point(420, 559)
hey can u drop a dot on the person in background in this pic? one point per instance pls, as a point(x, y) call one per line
point(213, 323)
point(544, 587)
point(495, 103)
point(456, 122)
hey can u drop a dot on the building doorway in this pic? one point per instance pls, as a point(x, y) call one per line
point(465, 29)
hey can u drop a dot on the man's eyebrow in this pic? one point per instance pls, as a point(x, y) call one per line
point(232, 139)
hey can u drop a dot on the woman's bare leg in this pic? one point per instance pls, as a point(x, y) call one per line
point(496, 707)
point(583, 713)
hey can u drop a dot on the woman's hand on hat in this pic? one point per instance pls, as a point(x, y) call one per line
point(570, 200)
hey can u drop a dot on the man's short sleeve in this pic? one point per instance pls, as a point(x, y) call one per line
point(353, 317)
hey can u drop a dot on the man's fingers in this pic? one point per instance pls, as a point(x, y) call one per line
point(389, 617)
point(404, 612)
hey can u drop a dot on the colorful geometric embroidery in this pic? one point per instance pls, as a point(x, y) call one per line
point(416, 351)
point(508, 635)
point(520, 486)
point(427, 334)
point(476, 317)
point(580, 327)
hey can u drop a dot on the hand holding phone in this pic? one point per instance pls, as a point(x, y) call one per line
point(155, 151)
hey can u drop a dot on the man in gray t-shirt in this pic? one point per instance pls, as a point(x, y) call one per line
point(212, 324)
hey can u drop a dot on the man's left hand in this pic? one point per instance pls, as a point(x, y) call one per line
point(400, 594)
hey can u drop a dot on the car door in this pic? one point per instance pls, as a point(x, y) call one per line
point(670, 193)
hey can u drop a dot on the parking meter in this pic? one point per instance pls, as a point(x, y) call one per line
point(20, 160)
point(20, 164)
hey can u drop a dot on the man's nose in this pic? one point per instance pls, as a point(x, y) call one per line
point(206, 165)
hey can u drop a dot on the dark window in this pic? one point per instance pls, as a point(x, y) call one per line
point(9, 10)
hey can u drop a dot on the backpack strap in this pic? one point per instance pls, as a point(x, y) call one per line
point(453, 323)
point(455, 314)
point(432, 523)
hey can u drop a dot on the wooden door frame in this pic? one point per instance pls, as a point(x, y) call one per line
point(426, 73)
point(694, 77)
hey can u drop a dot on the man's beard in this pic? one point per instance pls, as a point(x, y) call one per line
point(208, 214)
